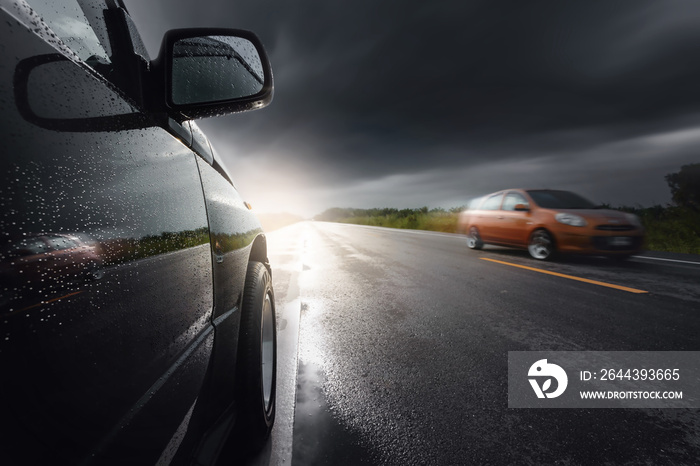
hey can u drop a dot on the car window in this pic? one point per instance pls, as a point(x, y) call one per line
point(492, 202)
point(474, 204)
point(513, 199)
point(80, 26)
point(559, 200)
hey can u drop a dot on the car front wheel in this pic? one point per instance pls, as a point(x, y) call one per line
point(541, 245)
point(257, 357)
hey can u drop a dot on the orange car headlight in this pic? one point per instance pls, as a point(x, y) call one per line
point(571, 219)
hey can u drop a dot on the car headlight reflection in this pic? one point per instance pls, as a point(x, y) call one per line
point(634, 220)
point(571, 219)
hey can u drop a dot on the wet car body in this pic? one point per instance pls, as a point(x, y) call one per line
point(549, 221)
point(61, 255)
point(31, 264)
point(152, 363)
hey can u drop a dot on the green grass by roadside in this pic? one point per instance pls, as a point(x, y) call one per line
point(670, 229)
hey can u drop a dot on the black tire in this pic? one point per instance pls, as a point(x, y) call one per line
point(541, 245)
point(256, 371)
point(473, 239)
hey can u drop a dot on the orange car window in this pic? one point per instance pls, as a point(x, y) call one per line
point(513, 199)
point(492, 203)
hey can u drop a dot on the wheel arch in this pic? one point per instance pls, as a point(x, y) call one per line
point(549, 231)
point(258, 252)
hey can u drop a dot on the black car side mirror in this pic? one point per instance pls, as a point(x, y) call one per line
point(210, 72)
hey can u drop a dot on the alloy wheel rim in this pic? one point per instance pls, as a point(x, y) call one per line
point(540, 246)
point(268, 350)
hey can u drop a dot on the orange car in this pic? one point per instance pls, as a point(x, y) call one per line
point(547, 221)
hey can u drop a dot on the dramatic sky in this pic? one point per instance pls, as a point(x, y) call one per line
point(412, 103)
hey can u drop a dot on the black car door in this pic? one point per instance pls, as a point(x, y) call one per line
point(106, 362)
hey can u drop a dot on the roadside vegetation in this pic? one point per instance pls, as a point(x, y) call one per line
point(671, 228)
point(413, 219)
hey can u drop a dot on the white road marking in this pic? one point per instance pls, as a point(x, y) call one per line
point(667, 260)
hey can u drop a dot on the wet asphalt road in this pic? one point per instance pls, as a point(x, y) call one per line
point(394, 344)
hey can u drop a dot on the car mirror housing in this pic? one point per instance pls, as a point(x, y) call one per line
point(521, 207)
point(210, 72)
point(73, 101)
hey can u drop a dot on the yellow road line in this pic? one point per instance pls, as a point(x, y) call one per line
point(49, 301)
point(570, 277)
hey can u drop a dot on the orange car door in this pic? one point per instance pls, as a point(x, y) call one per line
point(514, 223)
point(487, 220)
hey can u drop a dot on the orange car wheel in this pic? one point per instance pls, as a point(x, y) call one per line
point(541, 245)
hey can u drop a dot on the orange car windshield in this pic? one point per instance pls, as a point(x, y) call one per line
point(549, 199)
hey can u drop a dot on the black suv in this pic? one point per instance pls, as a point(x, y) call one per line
point(167, 349)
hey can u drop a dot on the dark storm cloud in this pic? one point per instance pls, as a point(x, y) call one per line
point(367, 90)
